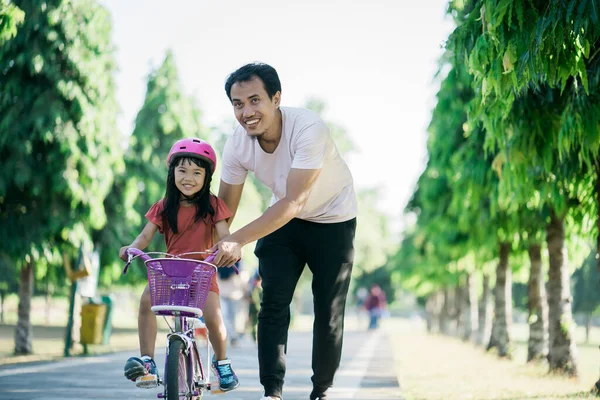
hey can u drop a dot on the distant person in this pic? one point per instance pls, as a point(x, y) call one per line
point(188, 217)
point(375, 304)
point(254, 299)
point(311, 220)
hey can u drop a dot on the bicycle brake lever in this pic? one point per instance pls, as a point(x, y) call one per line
point(130, 258)
point(127, 264)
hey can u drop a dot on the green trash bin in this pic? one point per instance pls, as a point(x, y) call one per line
point(107, 328)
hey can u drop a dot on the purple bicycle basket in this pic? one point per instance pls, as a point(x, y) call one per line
point(179, 282)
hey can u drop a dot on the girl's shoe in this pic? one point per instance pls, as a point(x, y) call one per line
point(228, 380)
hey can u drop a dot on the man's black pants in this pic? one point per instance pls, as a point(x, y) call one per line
point(328, 249)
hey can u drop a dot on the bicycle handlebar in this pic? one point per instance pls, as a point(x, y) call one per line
point(133, 253)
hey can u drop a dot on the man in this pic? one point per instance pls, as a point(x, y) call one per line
point(311, 220)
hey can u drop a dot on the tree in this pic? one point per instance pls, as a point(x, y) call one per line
point(57, 117)
point(10, 18)
point(524, 52)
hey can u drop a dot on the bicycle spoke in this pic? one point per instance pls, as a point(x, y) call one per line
point(183, 373)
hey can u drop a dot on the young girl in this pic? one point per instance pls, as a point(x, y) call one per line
point(188, 217)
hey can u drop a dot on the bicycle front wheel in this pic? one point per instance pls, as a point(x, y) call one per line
point(178, 371)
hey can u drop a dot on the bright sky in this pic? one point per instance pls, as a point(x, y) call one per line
point(371, 61)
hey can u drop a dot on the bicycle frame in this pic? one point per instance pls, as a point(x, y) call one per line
point(197, 380)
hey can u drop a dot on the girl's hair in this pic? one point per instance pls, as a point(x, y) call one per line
point(173, 196)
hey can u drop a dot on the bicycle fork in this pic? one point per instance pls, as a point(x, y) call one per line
point(191, 352)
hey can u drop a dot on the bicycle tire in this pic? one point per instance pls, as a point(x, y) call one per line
point(177, 371)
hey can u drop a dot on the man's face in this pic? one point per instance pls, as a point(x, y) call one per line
point(253, 108)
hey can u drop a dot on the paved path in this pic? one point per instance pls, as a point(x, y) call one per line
point(366, 373)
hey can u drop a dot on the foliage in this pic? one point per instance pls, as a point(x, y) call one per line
point(57, 117)
point(10, 17)
point(535, 69)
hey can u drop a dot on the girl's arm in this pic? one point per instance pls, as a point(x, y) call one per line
point(231, 195)
point(142, 241)
point(221, 229)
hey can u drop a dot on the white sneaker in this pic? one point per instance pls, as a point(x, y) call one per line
point(270, 398)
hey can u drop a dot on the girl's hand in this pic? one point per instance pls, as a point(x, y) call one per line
point(123, 253)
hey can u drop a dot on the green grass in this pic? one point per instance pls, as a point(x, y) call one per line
point(48, 344)
point(49, 320)
point(439, 367)
point(55, 311)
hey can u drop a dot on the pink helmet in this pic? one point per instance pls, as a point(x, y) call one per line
point(194, 147)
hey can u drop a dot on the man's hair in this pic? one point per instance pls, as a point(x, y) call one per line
point(264, 72)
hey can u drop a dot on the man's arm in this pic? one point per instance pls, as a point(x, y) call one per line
point(298, 187)
point(231, 195)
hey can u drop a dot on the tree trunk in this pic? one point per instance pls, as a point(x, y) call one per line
point(429, 313)
point(598, 234)
point(485, 312)
point(500, 338)
point(23, 332)
point(434, 309)
point(48, 299)
point(588, 326)
point(445, 314)
point(471, 321)
point(459, 312)
point(537, 304)
point(2, 296)
point(563, 352)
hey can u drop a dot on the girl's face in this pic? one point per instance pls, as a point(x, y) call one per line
point(189, 177)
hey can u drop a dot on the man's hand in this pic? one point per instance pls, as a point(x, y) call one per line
point(229, 252)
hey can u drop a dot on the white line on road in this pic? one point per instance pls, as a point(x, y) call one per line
point(348, 378)
point(60, 364)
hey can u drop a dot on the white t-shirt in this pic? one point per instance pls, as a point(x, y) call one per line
point(305, 144)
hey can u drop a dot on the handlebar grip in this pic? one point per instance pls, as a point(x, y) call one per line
point(132, 254)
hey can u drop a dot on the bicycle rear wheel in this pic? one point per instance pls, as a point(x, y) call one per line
point(178, 371)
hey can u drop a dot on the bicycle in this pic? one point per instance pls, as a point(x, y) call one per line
point(179, 288)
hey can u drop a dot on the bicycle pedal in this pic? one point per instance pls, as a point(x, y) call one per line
point(146, 382)
point(215, 389)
